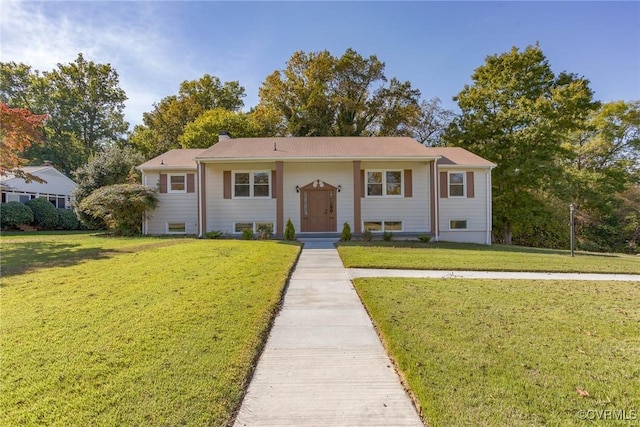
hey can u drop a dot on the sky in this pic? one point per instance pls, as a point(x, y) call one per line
point(155, 45)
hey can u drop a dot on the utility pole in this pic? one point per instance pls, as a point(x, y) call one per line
point(572, 226)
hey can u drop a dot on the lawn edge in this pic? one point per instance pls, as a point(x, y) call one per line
point(403, 381)
point(264, 337)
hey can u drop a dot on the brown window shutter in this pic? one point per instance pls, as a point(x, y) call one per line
point(226, 184)
point(363, 183)
point(471, 190)
point(444, 185)
point(273, 185)
point(163, 183)
point(191, 183)
point(408, 183)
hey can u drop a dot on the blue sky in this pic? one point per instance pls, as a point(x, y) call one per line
point(156, 45)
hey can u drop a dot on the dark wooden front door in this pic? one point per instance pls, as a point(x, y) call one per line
point(318, 207)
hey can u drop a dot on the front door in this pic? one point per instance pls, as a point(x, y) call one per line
point(318, 207)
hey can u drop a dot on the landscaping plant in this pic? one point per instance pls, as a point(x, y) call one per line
point(346, 232)
point(45, 215)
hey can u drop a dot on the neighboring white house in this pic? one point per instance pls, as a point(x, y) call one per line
point(373, 183)
point(57, 187)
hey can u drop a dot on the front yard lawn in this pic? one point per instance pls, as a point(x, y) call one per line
point(456, 256)
point(106, 331)
point(513, 353)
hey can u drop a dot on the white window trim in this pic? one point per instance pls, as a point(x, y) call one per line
point(383, 225)
point(384, 183)
point(254, 226)
point(169, 189)
point(176, 232)
point(251, 184)
point(464, 184)
point(458, 219)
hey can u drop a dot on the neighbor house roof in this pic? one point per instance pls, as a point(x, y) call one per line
point(174, 159)
point(55, 181)
point(315, 149)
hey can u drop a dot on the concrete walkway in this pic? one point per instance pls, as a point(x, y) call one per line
point(355, 273)
point(323, 364)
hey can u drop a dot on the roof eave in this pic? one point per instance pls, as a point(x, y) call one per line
point(314, 159)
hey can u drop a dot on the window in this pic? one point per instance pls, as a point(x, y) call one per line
point(176, 228)
point(384, 183)
point(456, 184)
point(457, 224)
point(256, 227)
point(379, 226)
point(177, 183)
point(251, 184)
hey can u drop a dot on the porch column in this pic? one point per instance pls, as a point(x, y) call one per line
point(279, 198)
point(357, 188)
point(434, 196)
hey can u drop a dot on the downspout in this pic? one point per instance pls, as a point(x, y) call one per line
point(489, 212)
point(199, 198)
point(436, 194)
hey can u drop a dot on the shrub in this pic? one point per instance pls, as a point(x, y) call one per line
point(247, 234)
point(45, 215)
point(265, 231)
point(289, 231)
point(424, 238)
point(346, 232)
point(14, 214)
point(212, 235)
point(120, 206)
point(367, 235)
point(387, 236)
point(67, 219)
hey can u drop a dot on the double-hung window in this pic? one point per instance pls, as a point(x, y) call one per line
point(384, 183)
point(456, 184)
point(251, 184)
point(178, 183)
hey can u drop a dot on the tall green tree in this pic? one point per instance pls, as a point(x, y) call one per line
point(518, 114)
point(318, 94)
point(164, 126)
point(83, 100)
point(203, 132)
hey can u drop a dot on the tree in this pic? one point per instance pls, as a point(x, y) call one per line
point(518, 114)
point(83, 101)
point(120, 206)
point(203, 131)
point(19, 130)
point(164, 126)
point(113, 165)
point(431, 124)
point(318, 94)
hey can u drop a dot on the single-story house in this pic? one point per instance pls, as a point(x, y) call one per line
point(57, 187)
point(379, 184)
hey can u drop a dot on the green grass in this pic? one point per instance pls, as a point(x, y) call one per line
point(452, 256)
point(512, 353)
point(108, 331)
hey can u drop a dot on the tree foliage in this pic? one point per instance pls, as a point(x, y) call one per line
point(120, 206)
point(318, 94)
point(113, 165)
point(84, 103)
point(19, 129)
point(203, 132)
point(518, 113)
point(164, 126)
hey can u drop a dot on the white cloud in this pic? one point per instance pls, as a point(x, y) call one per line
point(124, 35)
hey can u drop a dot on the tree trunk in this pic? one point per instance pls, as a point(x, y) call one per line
point(507, 233)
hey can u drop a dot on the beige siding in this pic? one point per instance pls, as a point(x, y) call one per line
point(335, 174)
point(222, 213)
point(473, 210)
point(172, 208)
point(413, 211)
